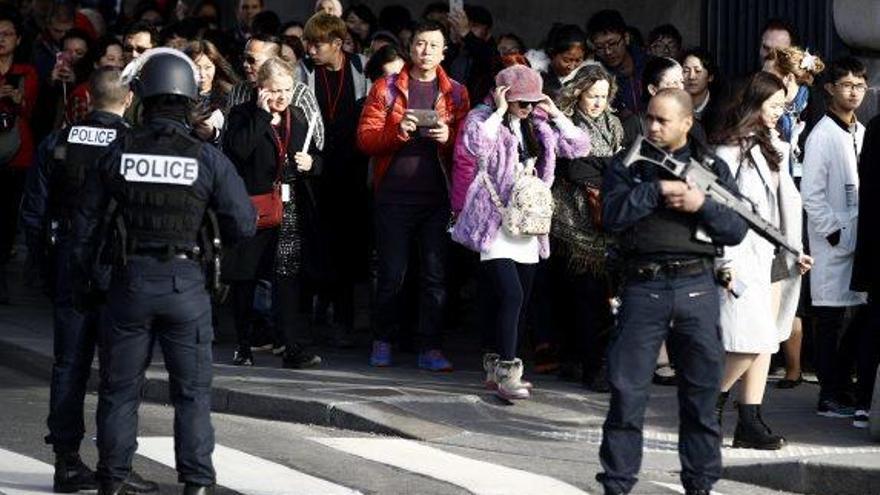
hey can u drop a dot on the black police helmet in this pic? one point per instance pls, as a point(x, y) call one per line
point(167, 73)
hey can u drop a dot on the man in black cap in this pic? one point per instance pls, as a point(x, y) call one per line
point(158, 184)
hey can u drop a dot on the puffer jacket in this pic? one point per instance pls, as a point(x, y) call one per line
point(378, 133)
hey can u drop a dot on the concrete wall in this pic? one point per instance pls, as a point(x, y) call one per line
point(532, 18)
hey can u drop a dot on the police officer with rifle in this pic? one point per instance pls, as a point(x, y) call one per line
point(162, 182)
point(670, 232)
point(53, 192)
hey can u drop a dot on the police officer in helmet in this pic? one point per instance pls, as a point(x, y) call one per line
point(157, 184)
point(670, 233)
point(53, 192)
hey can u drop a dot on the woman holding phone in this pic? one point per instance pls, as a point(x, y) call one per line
point(499, 143)
point(269, 142)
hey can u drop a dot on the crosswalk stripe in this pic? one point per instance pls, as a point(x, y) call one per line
point(245, 473)
point(677, 488)
point(479, 477)
point(22, 475)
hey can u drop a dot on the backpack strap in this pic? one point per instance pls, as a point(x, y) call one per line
point(483, 174)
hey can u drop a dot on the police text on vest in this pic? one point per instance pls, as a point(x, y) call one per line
point(92, 136)
point(159, 169)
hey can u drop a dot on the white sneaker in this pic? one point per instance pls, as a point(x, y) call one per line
point(861, 419)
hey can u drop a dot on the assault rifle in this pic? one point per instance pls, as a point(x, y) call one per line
point(706, 181)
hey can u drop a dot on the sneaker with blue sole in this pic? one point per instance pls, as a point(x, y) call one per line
point(434, 360)
point(381, 355)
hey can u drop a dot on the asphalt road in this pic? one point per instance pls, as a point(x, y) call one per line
point(266, 458)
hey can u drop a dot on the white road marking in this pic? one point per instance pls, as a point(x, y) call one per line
point(22, 475)
point(677, 488)
point(480, 477)
point(246, 473)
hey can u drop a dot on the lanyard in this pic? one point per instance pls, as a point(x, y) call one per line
point(281, 142)
point(333, 102)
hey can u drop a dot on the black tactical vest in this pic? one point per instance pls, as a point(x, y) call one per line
point(155, 184)
point(665, 233)
point(76, 152)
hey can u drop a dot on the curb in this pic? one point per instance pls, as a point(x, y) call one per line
point(375, 417)
point(808, 477)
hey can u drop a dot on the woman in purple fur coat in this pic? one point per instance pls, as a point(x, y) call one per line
point(521, 126)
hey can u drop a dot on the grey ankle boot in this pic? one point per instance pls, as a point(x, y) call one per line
point(509, 378)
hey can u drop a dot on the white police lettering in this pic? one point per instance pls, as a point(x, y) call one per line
point(159, 169)
point(92, 136)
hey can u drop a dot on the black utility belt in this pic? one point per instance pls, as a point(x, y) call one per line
point(167, 253)
point(654, 270)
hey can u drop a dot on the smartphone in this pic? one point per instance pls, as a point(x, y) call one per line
point(61, 58)
point(425, 118)
point(456, 5)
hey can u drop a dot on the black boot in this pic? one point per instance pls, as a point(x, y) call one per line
point(71, 475)
point(752, 433)
point(719, 406)
point(136, 484)
point(113, 488)
point(243, 356)
point(192, 489)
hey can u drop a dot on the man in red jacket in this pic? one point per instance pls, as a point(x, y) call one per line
point(408, 125)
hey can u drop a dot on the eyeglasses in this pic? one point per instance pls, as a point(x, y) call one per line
point(135, 49)
point(664, 46)
point(852, 88)
point(611, 45)
point(528, 104)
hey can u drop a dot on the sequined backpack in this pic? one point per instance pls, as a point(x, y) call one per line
point(530, 207)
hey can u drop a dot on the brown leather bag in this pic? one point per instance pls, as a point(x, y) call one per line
point(269, 208)
point(594, 201)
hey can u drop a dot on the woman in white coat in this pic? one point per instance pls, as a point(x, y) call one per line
point(756, 314)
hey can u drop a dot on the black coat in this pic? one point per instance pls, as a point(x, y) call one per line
point(248, 141)
point(866, 267)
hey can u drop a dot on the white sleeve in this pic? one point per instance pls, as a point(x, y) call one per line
point(814, 185)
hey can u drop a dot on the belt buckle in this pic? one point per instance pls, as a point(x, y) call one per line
point(651, 271)
point(674, 268)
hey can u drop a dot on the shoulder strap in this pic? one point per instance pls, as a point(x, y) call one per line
point(483, 175)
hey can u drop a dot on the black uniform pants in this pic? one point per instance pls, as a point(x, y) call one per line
point(839, 345)
point(684, 312)
point(397, 227)
point(75, 333)
point(151, 300)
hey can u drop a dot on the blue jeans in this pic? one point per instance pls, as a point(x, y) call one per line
point(74, 349)
point(153, 300)
point(684, 312)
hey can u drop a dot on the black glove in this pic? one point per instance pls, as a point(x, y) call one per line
point(833, 238)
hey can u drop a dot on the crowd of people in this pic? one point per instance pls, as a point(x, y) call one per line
point(415, 153)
